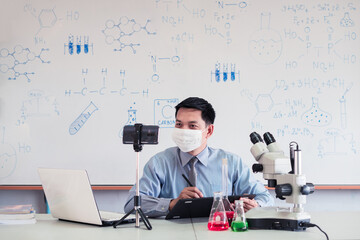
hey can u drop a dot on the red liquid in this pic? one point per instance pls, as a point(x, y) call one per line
point(213, 226)
point(230, 215)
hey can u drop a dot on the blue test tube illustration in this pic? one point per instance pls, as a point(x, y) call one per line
point(225, 73)
point(71, 45)
point(81, 120)
point(232, 72)
point(78, 45)
point(86, 45)
point(217, 72)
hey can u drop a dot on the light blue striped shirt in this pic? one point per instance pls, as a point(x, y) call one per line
point(162, 179)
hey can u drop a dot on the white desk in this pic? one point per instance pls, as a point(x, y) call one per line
point(337, 225)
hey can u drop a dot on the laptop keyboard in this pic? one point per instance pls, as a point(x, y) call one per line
point(110, 216)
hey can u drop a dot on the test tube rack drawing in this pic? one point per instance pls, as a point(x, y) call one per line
point(227, 73)
point(82, 119)
point(81, 42)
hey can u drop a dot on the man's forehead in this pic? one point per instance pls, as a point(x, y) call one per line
point(189, 115)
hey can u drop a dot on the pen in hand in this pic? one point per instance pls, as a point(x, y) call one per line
point(187, 180)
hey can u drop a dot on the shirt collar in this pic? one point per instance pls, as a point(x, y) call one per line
point(203, 157)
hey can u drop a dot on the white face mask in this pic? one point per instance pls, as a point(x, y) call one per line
point(186, 139)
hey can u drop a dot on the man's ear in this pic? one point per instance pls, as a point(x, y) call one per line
point(210, 130)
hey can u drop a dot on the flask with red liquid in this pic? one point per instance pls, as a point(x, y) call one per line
point(218, 220)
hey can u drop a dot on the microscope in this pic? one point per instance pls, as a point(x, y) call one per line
point(284, 174)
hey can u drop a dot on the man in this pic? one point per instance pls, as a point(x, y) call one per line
point(162, 183)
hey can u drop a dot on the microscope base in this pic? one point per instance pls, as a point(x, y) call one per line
point(276, 218)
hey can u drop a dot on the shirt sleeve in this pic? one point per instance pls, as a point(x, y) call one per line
point(245, 183)
point(150, 188)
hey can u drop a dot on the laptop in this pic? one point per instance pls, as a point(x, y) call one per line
point(197, 207)
point(71, 198)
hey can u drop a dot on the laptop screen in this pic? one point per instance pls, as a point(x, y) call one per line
point(69, 195)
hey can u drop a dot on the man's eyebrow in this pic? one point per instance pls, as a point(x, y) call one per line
point(188, 122)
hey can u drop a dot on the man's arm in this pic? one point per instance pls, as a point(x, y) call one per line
point(247, 184)
point(188, 192)
point(150, 189)
point(151, 206)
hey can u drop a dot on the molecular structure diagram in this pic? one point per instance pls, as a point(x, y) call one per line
point(119, 32)
point(46, 17)
point(16, 59)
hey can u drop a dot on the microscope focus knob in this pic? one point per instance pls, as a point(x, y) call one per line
point(307, 189)
point(257, 167)
point(283, 190)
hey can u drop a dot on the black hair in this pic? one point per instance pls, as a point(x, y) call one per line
point(207, 111)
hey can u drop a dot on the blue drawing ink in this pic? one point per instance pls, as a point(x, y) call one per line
point(18, 57)
point(315, 116)
point(86, 45)
point(343, 114)
point(225, 74)
point(346, 21)
point(124, 23)
point(47, 17)
point(336, 143)
point(83, 117)
point(217, 72)
point(130, 121)
point(232, 73)
point(71, 44)
point(8, 157)
point(81, 42)
point(164, 112)
point(266, 44)
point(78, 45)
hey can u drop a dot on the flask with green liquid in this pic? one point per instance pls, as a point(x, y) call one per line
point(239, 223)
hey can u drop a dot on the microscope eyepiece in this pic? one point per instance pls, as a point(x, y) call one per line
point(255, 137)
point(268, 137)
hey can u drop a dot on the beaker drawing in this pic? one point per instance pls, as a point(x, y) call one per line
point(130, 121)
point(265, 45)
point(83, 117)
point(315, 116)
point(346, 21)
point(218, 220)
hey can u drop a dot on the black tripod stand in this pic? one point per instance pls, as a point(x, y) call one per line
point(137, 200)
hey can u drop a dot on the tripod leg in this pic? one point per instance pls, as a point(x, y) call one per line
point(144, 218)
point(123, 218)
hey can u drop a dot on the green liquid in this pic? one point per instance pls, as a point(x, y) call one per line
point(239, 226)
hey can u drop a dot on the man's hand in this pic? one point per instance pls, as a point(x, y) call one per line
point(188, 192)
point(249, 203)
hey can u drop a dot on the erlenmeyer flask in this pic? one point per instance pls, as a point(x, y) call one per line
point(239, 223)
point(218, 220)
point(227, 206)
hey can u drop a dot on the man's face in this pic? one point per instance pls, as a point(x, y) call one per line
point(189, 118)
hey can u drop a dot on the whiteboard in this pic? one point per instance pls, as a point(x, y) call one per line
point(73, 73)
